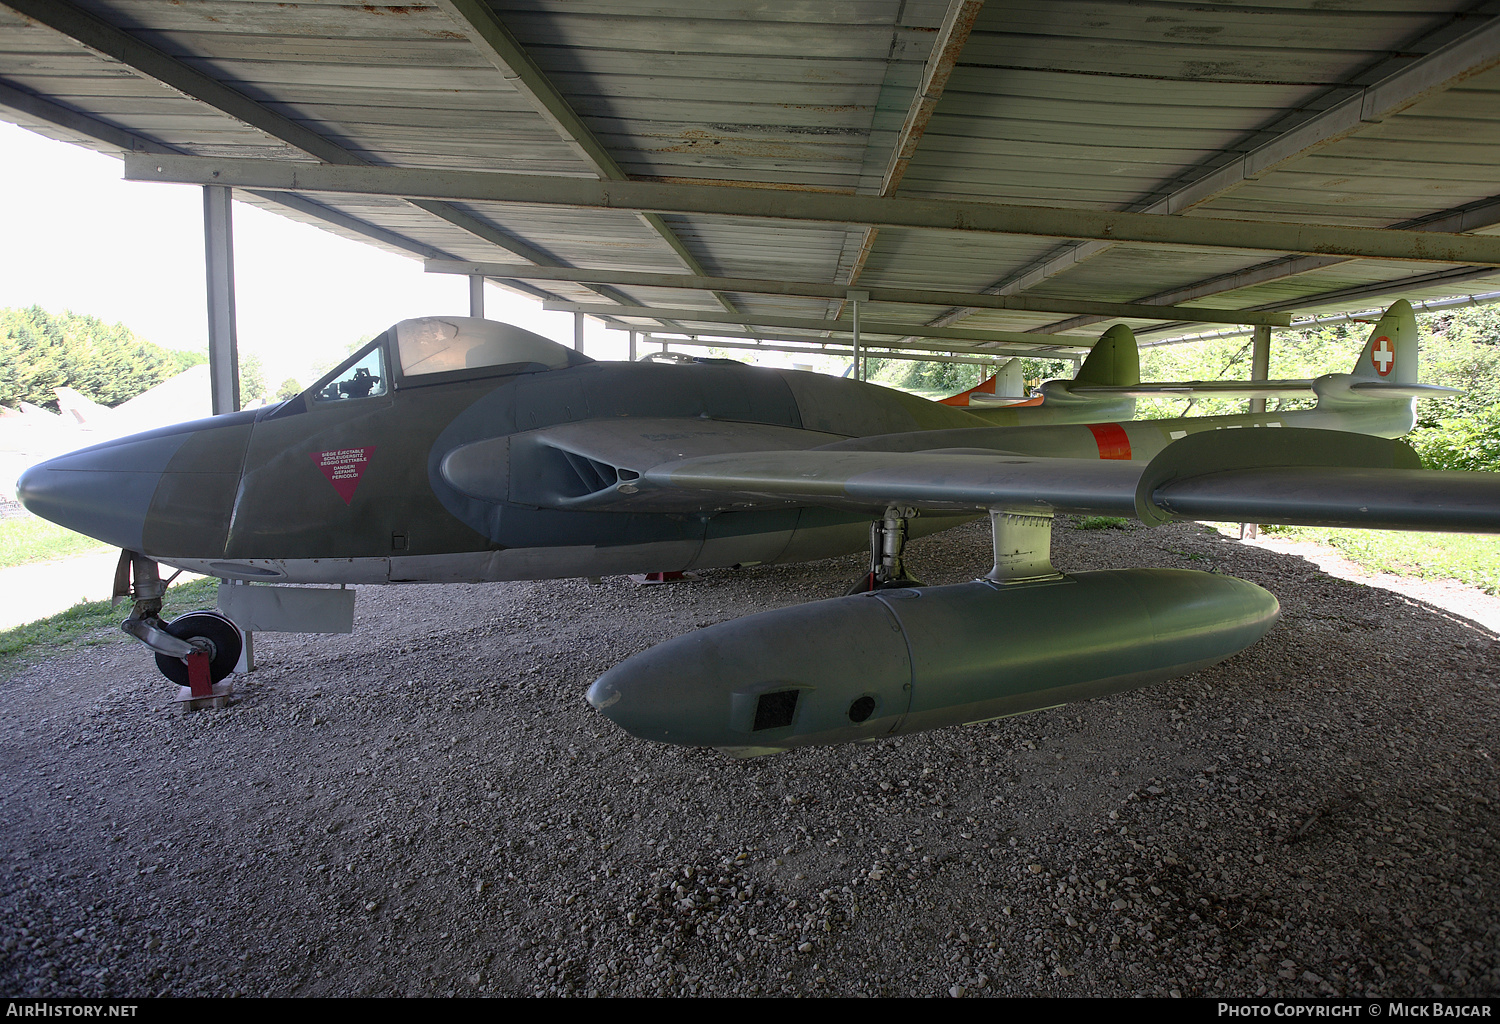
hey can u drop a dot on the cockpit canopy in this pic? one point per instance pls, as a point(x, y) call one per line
point(435, 350)
point(442, 344)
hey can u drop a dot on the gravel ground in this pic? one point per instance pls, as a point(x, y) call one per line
point(429, 807)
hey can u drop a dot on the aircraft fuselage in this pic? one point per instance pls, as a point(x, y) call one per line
point(353, 491)
point(462, 473)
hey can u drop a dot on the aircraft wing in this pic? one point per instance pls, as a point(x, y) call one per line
point(942, 480)
point(1290, 476)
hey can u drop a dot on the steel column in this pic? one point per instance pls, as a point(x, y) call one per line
point(855, 299)
point(476, 296)
point(1260, 363)
point(218, 258)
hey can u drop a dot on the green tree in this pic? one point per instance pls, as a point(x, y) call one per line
point(929, 378)
point(1044, 369)
point(253, 386)
point(40, 352)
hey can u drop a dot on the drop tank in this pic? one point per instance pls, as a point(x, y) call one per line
point(902, 661)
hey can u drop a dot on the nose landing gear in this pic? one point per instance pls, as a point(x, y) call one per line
point(211, 635)
point(196, 650)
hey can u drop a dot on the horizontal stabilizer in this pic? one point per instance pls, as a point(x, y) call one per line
point(1377, 389)
point(1263, 389)
point(1395, 389)
point(1192, 388)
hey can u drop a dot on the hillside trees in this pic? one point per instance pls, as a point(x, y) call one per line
point(40, 352)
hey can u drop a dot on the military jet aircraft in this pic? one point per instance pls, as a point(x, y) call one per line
point(455, 449)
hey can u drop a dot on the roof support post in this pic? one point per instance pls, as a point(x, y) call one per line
point(855, 299)
point(632, 346)
point(476, 296)
point(1260, 363)
point(218, 257)
point(577, 332)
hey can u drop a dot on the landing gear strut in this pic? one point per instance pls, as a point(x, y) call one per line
point(196, 650)
point(887, 541)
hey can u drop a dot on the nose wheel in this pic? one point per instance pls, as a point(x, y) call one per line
point(212, 634)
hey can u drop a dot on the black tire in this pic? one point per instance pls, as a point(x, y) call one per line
point(224, 643)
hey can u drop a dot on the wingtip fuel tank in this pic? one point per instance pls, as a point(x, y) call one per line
point(903, 661)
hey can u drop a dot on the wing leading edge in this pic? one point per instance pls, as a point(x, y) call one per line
point(1291, 476)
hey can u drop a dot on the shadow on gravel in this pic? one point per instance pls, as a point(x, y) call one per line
point(428, 806)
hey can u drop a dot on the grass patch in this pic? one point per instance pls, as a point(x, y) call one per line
point(1468, 558)
point(23, 541)
point(1101, 523)
point(77, 625)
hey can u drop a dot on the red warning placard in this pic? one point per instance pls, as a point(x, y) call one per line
point(343, 468)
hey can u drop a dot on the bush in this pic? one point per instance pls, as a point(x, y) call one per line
point(1468, 442)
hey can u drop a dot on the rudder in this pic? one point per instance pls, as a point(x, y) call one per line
point(1390, 353)
point(1114, 359)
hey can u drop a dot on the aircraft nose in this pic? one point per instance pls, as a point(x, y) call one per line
point(153, 492)
point(104, 491)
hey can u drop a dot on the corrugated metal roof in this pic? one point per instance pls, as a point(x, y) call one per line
point(1096, 104)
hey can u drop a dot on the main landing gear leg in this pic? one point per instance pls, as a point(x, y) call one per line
point(196, 651)
point(887, 542)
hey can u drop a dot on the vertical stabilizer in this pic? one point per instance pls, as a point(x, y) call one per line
point(1006, 383)
point(1114, 359)
point(1390, 354)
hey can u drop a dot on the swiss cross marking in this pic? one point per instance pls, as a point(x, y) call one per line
point(1383, 355)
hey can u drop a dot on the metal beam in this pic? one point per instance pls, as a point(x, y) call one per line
point(155, 65)
point(505, 52)
point(1361, 316)
point(112, 135)
point(709, 316)
point(1442, 68)
point(218, 261)
point(1476, 216)
point(841, 353)
point(917, 347)
point(817, 208)
point(811, 289)
point(949, 42)
point(476, 297)
point(1355, 293)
